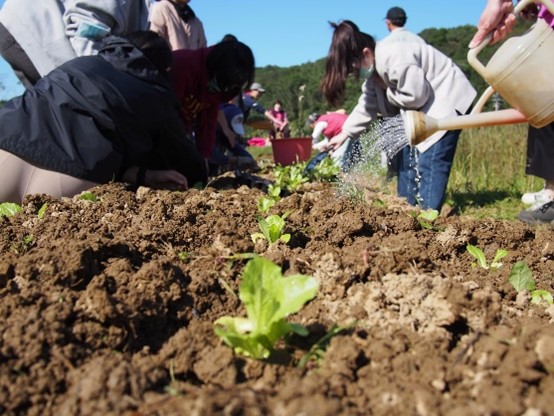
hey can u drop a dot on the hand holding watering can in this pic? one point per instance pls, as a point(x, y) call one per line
point(520, 71)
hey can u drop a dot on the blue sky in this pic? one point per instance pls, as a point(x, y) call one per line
point(292, 32)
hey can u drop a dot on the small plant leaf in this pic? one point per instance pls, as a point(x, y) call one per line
point(268, 298)
point(479, 255)
point(521, 277)
point(88, 196)
point(429, 215)
point(500, 254)
point(9, 208)
point(42, 211)
point(538, 296)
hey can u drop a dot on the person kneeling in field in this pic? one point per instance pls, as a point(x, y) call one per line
point(96, 119)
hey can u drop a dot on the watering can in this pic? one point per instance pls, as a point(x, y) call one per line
point(520, 71)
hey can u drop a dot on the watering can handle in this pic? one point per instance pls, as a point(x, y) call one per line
point(472, 53)
point(478, 107)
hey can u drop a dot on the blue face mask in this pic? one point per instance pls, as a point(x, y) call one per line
point(367, 73)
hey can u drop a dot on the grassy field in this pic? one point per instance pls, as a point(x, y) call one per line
point(488, 175)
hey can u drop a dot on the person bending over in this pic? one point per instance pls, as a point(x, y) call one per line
point(96, 119)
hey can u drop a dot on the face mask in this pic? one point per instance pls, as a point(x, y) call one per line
point(367, 73)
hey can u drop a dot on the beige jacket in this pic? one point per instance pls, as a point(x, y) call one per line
point(418, 77)
point(165, 20)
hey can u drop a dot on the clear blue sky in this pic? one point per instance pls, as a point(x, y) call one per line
point(292, 32)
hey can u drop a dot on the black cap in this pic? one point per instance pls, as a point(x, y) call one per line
point(397, 16)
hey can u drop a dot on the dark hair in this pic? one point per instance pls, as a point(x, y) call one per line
point(229, 37)
point(154, 47)
point(231, 64)
point(278, 102)
point(344, 59)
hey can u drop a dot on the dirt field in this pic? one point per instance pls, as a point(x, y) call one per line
point(108, 308)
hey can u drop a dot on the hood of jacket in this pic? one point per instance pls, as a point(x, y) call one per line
point(127, 57)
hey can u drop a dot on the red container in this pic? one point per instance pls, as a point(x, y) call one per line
point(289, 151)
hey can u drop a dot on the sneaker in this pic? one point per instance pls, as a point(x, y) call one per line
point(541, 215)
point(536, 198)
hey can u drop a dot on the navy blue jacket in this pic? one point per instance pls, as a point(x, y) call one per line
point(95, 116)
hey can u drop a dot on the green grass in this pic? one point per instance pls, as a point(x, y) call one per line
point(488, 174)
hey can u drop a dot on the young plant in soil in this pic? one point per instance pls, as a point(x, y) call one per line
point(521, 278)
point(8, 209)
point(427, 218)
point(325, 171)
point(290, 178)
point(481, 259)
point(268, 298)
point(272, 229)
point(88, 196)
point(317, 351)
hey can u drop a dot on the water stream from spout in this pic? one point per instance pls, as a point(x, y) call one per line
point(382, 141)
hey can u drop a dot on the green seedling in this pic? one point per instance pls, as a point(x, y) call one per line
point(184, 256)
point(268, 298)
point(427, 218)
point(42, 211)
point(8, 209)
point(88, 196)
point(291, 177)
point(481, 259)
point(24, 245)
point(272, 229)
point(274, 192)
point(521, 278)
point(325, 171)
point(317, 351)
point(265, 204)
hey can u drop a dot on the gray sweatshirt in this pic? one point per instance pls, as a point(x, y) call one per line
point(51, 32)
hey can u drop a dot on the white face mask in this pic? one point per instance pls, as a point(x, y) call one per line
point(367, 73)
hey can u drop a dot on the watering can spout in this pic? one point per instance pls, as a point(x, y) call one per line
point(419, 126)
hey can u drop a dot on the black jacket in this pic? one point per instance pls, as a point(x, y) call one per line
point(95, 116)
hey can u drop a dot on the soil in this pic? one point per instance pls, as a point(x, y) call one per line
point(108, 308)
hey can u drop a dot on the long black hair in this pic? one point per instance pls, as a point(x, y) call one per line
point(344, 59)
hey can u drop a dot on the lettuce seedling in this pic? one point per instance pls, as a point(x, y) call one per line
point(9, 208)
point(88, 196)
point(272, 229)
point(481, 259)
point(325, 171)
point(290, 177)
point(268, 298)
point(426, 219)
point(265, 204)
point(521, 278)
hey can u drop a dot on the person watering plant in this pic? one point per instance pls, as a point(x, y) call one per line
point(400, 75)
point(96, 119)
